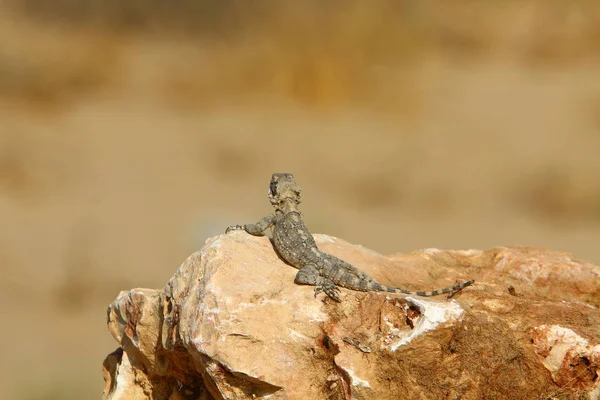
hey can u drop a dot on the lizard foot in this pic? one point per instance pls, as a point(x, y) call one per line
point(234, 228)
point(329, 289)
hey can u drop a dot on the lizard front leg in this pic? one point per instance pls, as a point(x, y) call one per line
point(309, 275)
point(256, 229)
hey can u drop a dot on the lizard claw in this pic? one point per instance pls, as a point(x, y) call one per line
point(233, 228)
point(329, 289)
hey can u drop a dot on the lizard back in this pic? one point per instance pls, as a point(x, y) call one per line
point(293, 240)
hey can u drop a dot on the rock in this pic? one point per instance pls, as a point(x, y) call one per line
point(231, 324)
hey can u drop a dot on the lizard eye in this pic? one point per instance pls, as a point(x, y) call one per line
point(273, 188)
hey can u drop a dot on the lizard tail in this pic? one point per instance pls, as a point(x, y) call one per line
point(450, 289)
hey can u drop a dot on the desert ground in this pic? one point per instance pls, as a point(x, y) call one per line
point(130, 132)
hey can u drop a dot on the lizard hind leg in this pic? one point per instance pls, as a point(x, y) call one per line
point(309, 275)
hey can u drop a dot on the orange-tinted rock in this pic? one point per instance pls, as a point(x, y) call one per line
point(231, 324)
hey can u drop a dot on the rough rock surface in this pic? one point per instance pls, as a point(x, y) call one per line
point(231, 324)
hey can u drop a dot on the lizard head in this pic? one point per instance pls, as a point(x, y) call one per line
point(283, 187)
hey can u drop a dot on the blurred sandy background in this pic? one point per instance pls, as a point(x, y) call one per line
point(131, 131)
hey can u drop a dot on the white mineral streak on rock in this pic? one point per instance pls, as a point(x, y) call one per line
point(356, 381)
point(297, 335)
point(432, 315)
point(557, 341)
point(561, 350)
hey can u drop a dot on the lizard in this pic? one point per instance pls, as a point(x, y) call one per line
point(295, 245)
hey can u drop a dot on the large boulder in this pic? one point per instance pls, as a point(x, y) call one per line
point(231, 324)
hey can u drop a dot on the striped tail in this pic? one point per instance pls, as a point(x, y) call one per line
point(452, 289)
